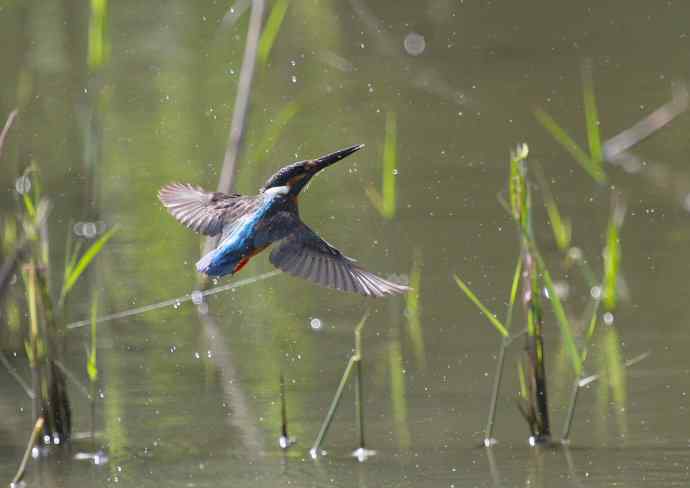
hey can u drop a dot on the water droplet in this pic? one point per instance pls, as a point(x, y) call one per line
point(90, 230)
point(396, 172)
point(595, 292)
point(294, 79)
point(22, 184)
point(173, 348)
point(293, 62)
point(197, 355)
point(414, 44)
point(608, 318)
point(315, 324)
point(177, 304)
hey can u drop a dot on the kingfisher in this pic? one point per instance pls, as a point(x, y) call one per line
point(248, 224)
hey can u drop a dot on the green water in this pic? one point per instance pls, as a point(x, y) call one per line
point(188, 405)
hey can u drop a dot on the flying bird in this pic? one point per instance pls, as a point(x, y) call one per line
point(249, 224)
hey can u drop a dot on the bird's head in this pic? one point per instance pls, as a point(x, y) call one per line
point(296, 175)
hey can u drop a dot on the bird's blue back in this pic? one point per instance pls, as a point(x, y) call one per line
point(240, 239)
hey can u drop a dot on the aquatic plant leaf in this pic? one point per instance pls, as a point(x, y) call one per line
point(560, 226)
point(561, 318)
point(473, 298)
point(592, 118)
point(85, 260)
point(91, 366)
point(517, 185)
point(271, 29)
point(578, 154)
point(612, 258)
point(413, 311)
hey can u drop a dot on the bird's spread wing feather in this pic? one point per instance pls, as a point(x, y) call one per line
point(204, 212)
point(303, 253)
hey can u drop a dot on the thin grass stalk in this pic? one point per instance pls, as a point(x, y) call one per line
point(570, 415)
point(189, 297)
point(359, 402)
point(284, 440)
point(92, 365)
point(6, 128)
point(359, 381)
point(270, 33)
point(33, 438)
point(314, 451)
point(498, 376)
point(241, 108)
point(34, 349)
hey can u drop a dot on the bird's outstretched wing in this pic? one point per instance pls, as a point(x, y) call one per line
point(303, 253)
point(204, 212)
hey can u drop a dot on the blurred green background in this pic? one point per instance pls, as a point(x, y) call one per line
point(114, 103)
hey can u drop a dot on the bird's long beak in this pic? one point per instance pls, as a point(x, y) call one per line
point(320, 163)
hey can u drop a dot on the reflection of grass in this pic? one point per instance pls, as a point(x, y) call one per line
point(413, 311)
point(398, 392)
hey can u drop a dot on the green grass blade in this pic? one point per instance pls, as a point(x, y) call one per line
point(513, 291)
point(517, 185)
point(569, 144)
point(271, 29)
point(398, 393)
point(562, 229)
point(612, 258)
point(473, 298)
point(413, 311)
point(274, 131)
point(592, 117)
point(615, 367)
point(390, 167)
point(29, 205)
point(98, 48)
point(560, 226)
point(91, 365)
point(561, 317)
point(85, 260)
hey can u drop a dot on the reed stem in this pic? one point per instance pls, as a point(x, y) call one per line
point(38, 428)
point(314, 451)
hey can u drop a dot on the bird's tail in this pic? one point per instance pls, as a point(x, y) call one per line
point(204, 264)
